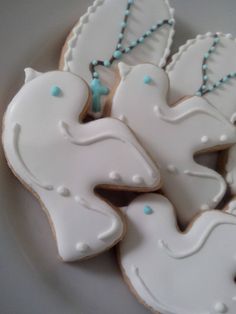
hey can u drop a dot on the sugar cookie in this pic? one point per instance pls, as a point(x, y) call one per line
point(61, 161)
point(173, 136)
point(179, 273)
point(207, 65)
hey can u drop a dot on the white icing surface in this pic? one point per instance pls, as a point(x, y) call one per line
point(64, 172)
point(198, 283)
point(95, 37)
point(173, 135)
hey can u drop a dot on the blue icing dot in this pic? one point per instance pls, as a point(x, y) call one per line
point(147, 210)
point(127, 49)
point(121, 35)
point(134, 44)
point(127, 12)
point(130, 1)
point(94, 62)
point(216, 40)
point(147, 79)
point(148, 33)
point(123, 24)
point(95, 74)
point(206, 55)
point(55, 91)
point(117, 54)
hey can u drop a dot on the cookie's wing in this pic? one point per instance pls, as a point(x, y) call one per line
point(212, 56)
point(132, 31)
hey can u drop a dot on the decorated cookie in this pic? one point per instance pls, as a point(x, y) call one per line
point(133, 31)
point(62, 160)
point(207, 66)
point(173, 136)
point(179, 273)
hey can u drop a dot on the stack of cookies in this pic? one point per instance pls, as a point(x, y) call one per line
point(149, 119)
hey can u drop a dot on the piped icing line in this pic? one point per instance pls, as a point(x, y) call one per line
point(158, 303)
point(184, 48)
point(215, 114)
point(77, 30)
point(16, 136)
point(215, 176)
point(171, 252)
point(65, 131)
point(135, 271)
point(106, 235)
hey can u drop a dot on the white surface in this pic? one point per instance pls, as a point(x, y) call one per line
point(32, 279)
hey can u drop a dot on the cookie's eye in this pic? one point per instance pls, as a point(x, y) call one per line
point(147, 79)
point(147, 210)
point(55, 91)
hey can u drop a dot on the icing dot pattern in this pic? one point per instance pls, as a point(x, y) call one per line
point(205, 87)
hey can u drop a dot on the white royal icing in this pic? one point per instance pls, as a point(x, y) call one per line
point(95, 38)
point(187, 63)
point(173, 136)
point(197, 275)
point(62, 162)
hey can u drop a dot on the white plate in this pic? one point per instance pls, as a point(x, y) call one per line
point(32, 279)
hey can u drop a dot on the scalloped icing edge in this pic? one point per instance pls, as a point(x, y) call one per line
point(78, 28)
point(189, 43)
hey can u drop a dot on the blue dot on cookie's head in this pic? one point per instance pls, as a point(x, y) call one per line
point(147, 79)
point(147, 210)
point(55, 91)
